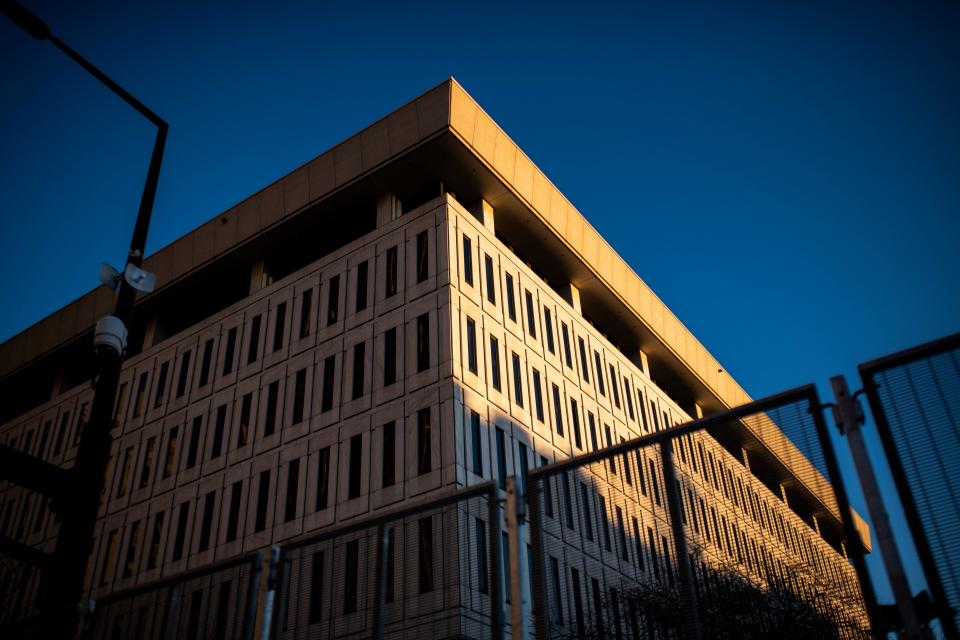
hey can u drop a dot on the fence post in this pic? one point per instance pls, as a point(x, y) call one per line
point(380, 582)
point(854, 545)
point(848, 418)
point(253, 596)
point(496, 586)
point(541, 620)
point(515, 517)
point(267, 621)
point(173, 611)
point(688, 591)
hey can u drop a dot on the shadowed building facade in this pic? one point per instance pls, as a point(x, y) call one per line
point(416, 309)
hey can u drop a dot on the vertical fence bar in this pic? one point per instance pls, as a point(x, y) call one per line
point(515, 516)
point(849, 423)
point(380, 582)
point(850, 533)
point(910, 511)
point(268, 602)
point(253, 596)
point(688, 591)
point(541, 620)
point(496, 586)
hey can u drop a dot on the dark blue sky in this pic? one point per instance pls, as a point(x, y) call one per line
point(787, 179)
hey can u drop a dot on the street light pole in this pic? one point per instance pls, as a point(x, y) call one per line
point(64, 577)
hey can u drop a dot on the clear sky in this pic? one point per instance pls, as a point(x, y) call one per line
point(786, 179)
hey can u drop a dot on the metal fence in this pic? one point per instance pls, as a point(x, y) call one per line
point(913, 396)
point(430, 568)
point(213, 603)
point(667, 536)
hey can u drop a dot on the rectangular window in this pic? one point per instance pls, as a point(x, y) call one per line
point(558, 409)
point(106, 571)
point(206, 523)
point(356, 467)
point(477, 443)
point(495, 363)
point(279, 326)
point(472, 346)
point(423, 258)
point(130, 560)
point(179, 539)
point(615, 387)
point(623, 534)
point(391, 275)
point(147, 462)
point(423, 342)
point(205, 362)
point(253, 344)
point(220, 424)
point(467, 261)
point(362, 286)
point(315, 612)
point(626, 466)
point(299, 396)
point(612, 461)
point(480, 533)
point(653, 483)
point(547, 490)
point(575, 421)
point(578, 603)
point(567, 500)
point(548, 329)
point(587, 515)
point(628, 396)
point(229, 352)
point(351, 572)
point(293, 487)
point(517, 380)
point(306, 307)
point(511, 303)
point(390, 356)
point(119, 413)
point(333, 300)
point(389, 596)
point(326, 402)
point(531, 314)
point(270, 416)
point(156, 538)
point(359, 350)
point(638, 544)
point(603, 523)
point(424, 442)
point(141, 392)
point(246, 408)
point(555, 587)
point(593, 430)
point(194, 449)
point(537, 396)
point(491, 282)
point(598, 608)
point(233, 516)
point(565, 334)
point(161, 385)
point(584, 364)
point(184, 370)
point(263, 495)
point(425, 554)
point(654, 559)
point(171, 453)
point(389, 455)
point(643, 413)
point(323, 478)
point(501, 459)
point(599, 368)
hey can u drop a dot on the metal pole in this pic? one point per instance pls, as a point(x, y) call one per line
point(496, 586)
point(63, 588)
point(849, 418)
point(541, 619)
point(688, 592)
point(515, 516)
point(850, 533)
point(267, 620)
point(253, 596)
point(380, 582)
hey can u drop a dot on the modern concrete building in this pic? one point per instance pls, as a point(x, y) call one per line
point(415, 309)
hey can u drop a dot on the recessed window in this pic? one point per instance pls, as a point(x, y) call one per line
point(246, 408)
point(491, 280)
point(293, 487)
point(161, 385)
point(575, 421)
point(279, 326)
point(333, 300)
point(229, 353)
point(424, 442)
point(306, 308)
point(476, 442)
point(299, 395)
point(517, 380)
point(472, 346)
point(558, 409)
point(422, 257)
point(531, 314)
point(391, 272)
point(494, 363)
point(323, 478)
point(355, 467)
point(425, 554)
point(390, 356)
point(389, 455)
point(584, 364)
point(253, 343)
point(219, 427)
point(361, 298)
point(206, 522)
point(511, 302)
point(565, 334)
point(359, 352)
point(184, 371)
point(537, 396)
point(270, 414)
point(326, 400)
point(423, 342)
point(548, 329)
point(263, 496)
